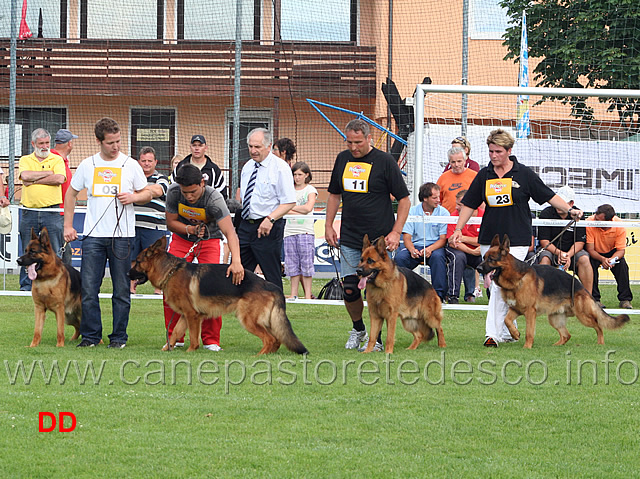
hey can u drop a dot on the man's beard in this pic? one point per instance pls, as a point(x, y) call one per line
point(41, 152)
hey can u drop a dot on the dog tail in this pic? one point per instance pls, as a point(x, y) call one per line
point(282, 330)
point(607, 321)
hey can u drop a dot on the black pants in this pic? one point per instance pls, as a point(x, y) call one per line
point(620, 272)
point(263, 251)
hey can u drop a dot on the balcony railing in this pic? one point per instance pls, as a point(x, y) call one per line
point(186, 67)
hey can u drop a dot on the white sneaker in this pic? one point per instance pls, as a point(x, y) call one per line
point(179, 344)
point(213, 347)
point(378, 347)
point(356, 338)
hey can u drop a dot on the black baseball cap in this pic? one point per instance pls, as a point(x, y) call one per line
point(199, 138)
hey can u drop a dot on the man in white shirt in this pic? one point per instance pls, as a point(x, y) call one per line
point(267, 192)
point(114, 182)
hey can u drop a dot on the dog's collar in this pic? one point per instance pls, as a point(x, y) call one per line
point(171, 272)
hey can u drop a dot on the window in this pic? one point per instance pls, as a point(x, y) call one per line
point(122, 19)
point(28, 119)
point(48, 28)
point(488, 20)
point(325, 21)
point(155, 128)
point(248, 121)
point(217, 20)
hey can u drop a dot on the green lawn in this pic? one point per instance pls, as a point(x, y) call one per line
point(465, 411)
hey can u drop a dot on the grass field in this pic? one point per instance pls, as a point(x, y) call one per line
point(465, 411)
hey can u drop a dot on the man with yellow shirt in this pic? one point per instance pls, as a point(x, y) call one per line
point(42, 173)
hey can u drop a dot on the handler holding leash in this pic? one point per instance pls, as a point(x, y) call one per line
point(197, 215)
point(364, 178)
point(506, 186)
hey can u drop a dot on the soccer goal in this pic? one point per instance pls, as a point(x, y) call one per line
point(585, 138)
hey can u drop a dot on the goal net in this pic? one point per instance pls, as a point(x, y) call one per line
point(598, 158)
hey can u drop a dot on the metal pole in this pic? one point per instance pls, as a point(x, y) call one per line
point(12, 97)
point(390, 67)
point(418, 136)
point(235, 174)
point(465, 63)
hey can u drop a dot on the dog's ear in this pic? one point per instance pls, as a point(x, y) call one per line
point(506, 243)
point(159, 245)
point(381, 246)
point(44, 236)
point(496, 240)
point(365, 242)
point(33, 234)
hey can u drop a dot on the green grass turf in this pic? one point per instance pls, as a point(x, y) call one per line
point(465, 411)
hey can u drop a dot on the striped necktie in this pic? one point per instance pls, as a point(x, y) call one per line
point(247, 195)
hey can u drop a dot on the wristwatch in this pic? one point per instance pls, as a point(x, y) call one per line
point(271, 219)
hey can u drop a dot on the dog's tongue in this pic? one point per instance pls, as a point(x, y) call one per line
point(487, 280)
point(31, 272)
point(362, 284)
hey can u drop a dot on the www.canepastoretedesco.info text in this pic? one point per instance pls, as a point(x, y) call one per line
point(324, 372)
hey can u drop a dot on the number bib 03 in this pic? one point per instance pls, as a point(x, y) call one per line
point(355, 177)
point(498, 192)
point(106, 181)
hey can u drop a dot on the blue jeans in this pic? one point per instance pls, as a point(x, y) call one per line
point(144, 238)
point(95, 252)
point(38, 220)
point(437, 263)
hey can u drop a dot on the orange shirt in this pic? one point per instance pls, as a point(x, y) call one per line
point(606, 240)
point(450, 184)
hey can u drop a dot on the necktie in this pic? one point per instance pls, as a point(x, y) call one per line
point(247, 195)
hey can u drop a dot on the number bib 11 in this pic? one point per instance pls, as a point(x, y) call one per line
point(355, 177)
point(106, 181)
point(498, 192)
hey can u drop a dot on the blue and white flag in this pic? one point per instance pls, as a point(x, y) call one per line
point(524, 129)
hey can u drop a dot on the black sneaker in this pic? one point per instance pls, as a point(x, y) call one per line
point(116, 345)
point(490, 343)
point(453, 300)
point(85, 343)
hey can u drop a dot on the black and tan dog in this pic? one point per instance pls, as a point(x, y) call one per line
point(200, 291)
point(55, 287)
point(543, 289)
point(393, 291)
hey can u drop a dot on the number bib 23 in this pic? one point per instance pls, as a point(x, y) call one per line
point(498, 192)
point(355, 177)
point(106, 181)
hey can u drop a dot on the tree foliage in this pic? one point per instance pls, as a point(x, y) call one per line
point(582, 44)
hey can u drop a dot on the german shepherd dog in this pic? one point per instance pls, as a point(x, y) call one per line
point(542, 289)
point(55, 287)
point(393, 291)
point(200, 291)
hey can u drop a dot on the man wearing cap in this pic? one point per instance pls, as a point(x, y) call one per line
point(568, 249)
point(211, 172)
point(64, 145)
point(42, 174)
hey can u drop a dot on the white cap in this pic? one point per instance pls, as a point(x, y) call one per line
point(5, 221)
point(567, 194)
